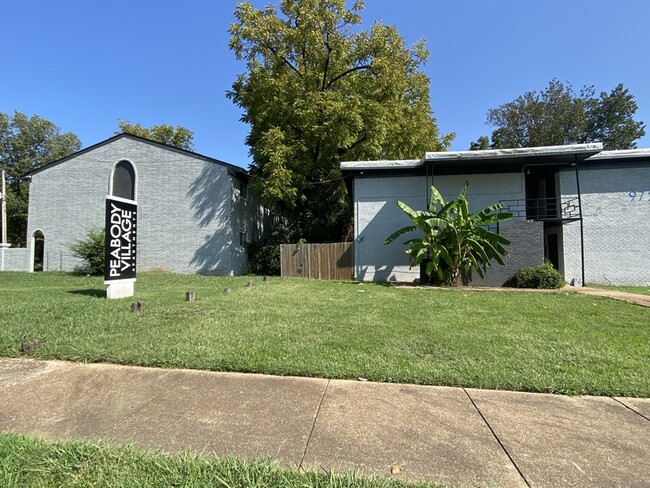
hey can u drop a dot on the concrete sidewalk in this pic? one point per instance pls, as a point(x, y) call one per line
point(456, 436)
point(643, 300)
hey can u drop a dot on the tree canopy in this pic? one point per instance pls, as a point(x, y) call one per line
point(610, 119)
point(557, 115)
point(319, 90)
point(178, 136)
point(480, 144)
point(26, 144)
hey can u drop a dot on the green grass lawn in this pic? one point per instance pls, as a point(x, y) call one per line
point(558, 342)
point(27, 462)
point(639, 290)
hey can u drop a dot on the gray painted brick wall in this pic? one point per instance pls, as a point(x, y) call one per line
point(249, 217)
point(616, 227)
point(377, 216)
point(526, 249)
point(13, 259)
point(187, 215)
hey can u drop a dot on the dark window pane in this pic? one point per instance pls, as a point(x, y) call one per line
point(124, 180)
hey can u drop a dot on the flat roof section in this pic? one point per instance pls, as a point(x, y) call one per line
point(585, 150)
point(491, 160)
point(620, 154)
point(393, 164)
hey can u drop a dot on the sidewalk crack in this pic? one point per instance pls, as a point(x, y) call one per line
point(313, 425)
point(496, 437)
point(630, 408)
point(136, 410)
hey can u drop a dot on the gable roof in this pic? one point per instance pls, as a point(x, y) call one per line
point(233, 169)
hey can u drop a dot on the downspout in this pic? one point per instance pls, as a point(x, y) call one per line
point(423, 278)
point(426, 183)
point(429, 172)
point(582, 231)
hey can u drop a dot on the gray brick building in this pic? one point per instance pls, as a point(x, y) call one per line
point(195, 213)
point(585, 210)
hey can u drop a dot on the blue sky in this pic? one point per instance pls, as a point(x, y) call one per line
point(84, 64)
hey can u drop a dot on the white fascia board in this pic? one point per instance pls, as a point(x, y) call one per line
point(394, 164)
point(620, 154)
point(489, 154)
point(513, 153)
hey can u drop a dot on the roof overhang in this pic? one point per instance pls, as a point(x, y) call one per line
point(371, 165)
point(620, 154)
point(488, 161)
point(568, 152)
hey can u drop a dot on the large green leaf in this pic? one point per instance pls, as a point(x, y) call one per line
point(491, 236)
point(478, 249)
point(462, 204)
point(463, 192)
point(437, 223)
point(474, 263)
point(446, 256)
point(447, 209)
point(490, 208)
point(455, 240)
point(413, 214)
point(419, 256)
point(495, 251)
point(416, 240)
point(399, 232)
point(435, 200)
point(498, 217)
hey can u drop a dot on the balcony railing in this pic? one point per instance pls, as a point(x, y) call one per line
point(545, 209)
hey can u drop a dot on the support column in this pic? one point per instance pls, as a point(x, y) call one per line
point(582, 231)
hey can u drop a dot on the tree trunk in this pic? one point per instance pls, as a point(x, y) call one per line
point(459, 277)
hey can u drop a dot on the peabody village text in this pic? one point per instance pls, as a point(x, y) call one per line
point(121, 231)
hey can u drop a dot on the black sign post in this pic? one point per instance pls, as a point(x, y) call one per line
point(121, 244)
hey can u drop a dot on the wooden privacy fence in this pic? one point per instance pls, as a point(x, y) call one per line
point(333, 261)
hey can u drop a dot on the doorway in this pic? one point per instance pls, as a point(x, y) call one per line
point(38, 250)
point(541, 195)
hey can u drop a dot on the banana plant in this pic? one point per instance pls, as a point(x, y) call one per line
point(456, 241)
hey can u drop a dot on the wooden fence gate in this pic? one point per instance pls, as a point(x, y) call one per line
point(333, 261)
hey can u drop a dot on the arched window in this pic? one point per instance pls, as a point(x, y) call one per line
point(124, 180)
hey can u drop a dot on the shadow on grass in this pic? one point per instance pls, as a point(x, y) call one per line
point(90, 293)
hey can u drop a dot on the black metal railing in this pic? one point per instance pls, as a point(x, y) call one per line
point(547, 209)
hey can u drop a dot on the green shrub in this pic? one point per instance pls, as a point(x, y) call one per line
point(263, 258)
point(541, 276)
point(92, 250)
point(264, 255)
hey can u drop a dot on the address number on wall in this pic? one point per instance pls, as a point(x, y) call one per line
point(639, 195)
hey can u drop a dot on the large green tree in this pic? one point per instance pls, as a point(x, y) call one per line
point(26, 144)
point(178, 136)
point(558, 115)
point(320, 90)
point(610, 119)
